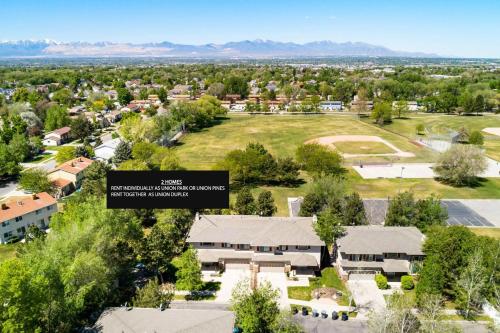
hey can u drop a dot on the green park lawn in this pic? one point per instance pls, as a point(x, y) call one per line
point(281, 135)
point(490, 232)
point(363, 147)
point(438, 124)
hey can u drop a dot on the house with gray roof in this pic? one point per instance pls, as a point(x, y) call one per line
point(131, 320)
point(285, 244)
point(392, 251)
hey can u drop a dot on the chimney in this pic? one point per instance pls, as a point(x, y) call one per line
point(20, 203)
point(4, 206)
point(34, 196)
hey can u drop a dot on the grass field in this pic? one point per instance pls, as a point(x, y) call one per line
point(490, 232)
point(281, 135)
point(363, 147)
point(442, 124)
point(7, 251)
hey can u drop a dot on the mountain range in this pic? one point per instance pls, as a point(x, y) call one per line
point(243, 49)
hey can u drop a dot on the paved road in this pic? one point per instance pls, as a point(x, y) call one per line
point(7, 186)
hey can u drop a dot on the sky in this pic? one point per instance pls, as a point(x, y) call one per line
point(448, 28)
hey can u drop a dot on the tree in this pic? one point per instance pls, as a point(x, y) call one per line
point(313, 203)
point(63, 96)
point(256, 310)
point(35, 180)
point(328, 226)
point(94, 181)
point(65, 154)
point(429, 212)
point(476, 138)
point(286, 324)
point(420, 129)
point(265, 204)
point(56, 117)
point(152, 295)
point(407, 282)
point(123, 152)
point(245, 203)
point(461, 165)
point(470, 285)
point(134, 165)
point(319, 160)
point(382, 113)
point(9, 165)
point(81, 128)
point(381, 281)
point(401, 211)
point(188, 272)
point(216, 89)
point(397, 317)
point(158, 249)
point(33, 233)
point(124, 96)
point(353, 212)
point(479, 104)
point(237, 85)
point(19, 147)
point(84, 150)
point(401, 109)
point(287, 171)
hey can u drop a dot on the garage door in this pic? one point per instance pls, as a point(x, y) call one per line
point(271, 267)
point(361, 276)
point(236, 264)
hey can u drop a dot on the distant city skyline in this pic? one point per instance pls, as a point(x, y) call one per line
point(447, 28)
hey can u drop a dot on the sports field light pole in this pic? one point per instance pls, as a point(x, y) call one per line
point(401, 180)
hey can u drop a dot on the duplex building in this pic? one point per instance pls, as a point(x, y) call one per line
point(57, 137)
point(69, 175)
point(16, 216)
point(331, 106)
point(280, 244)
point(392, 251)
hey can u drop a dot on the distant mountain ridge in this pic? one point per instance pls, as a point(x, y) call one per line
point(242, 49)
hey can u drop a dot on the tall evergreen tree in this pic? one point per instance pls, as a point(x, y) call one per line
point(245, 203)
point(265, 204)
point(123, 152)
point(353, 212)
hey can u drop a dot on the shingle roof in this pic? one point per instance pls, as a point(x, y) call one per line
point(254, 230)
point(379, 239)
point(301, 259)
point(119, 320)
point(75, 165)
point(21, 207)
point(62, 130)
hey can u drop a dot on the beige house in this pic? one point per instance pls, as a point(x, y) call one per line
point(56, 137)
point(69, 173)
point(16, 216)
point(278, 244)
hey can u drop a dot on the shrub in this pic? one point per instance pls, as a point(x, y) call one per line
point(407, 282)
point(381, 281)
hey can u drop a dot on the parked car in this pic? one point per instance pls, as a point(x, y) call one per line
point(335, 315)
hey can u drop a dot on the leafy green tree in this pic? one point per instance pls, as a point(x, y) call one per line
point(287, 171)
point(461, 165)
point(476, 138)
point(313, 203)
point(401, 109)
point(328, 226)
point(319, 160)
point(63, 96)
point(479, 104)
point(401, 211)
point(94, 181)
point(470, 285)
point(84, 150)
point(265, 204)
point(152, 295)
point(19, 147)
point(34, 233)
point(381, 281)
point(382, 113)
point(286, 324)
point(65, 154)
point(158, 249)
point(9, 165)
point(407, 282)
point(429, 212)
point(35, 180)
point(237, 85)
point(81, 128)
point(353, 212)
point(134, 165)
point(188, 272)
point(56, 117)
point(245, 203)
point(20, 95)
point(124, 96)
point(256, 310)
point(123, 152)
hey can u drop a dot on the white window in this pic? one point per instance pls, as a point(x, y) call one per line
point(19, 218)
point(6, 223)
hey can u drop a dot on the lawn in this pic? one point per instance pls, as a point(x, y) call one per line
point(7, 251)
point(363, 147)
point(490, 232)
point(281, 135)
point(40, 158)
point(442, 124)
point(329, 278)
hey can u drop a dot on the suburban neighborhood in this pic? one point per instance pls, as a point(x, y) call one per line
point(321, 167)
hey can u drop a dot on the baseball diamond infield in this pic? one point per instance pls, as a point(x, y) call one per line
point(330, 142)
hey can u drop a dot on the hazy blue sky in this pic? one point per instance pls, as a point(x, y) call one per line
point(460, 28)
